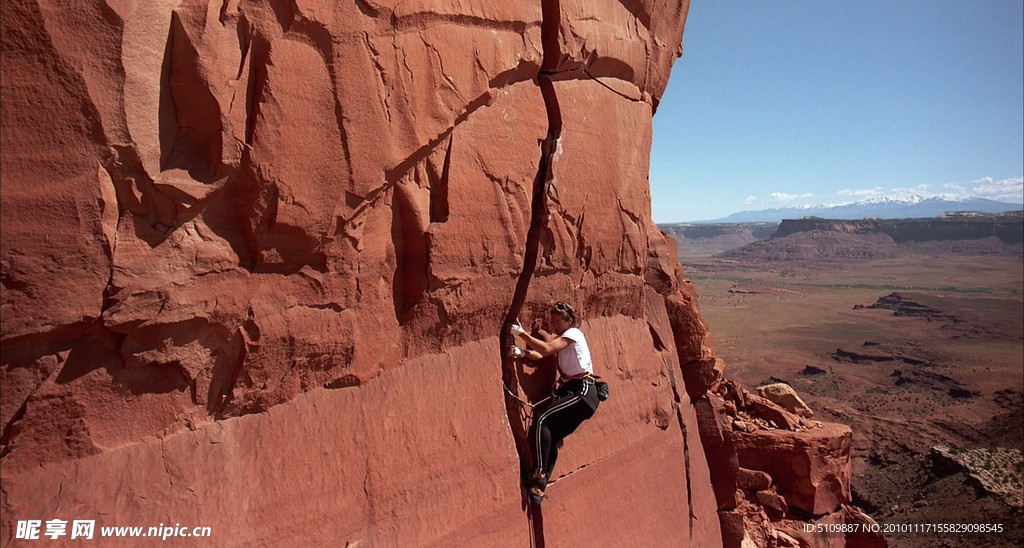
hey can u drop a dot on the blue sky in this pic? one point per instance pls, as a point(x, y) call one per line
point(789, 102)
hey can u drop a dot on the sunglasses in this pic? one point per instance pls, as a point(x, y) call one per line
point(564, 309)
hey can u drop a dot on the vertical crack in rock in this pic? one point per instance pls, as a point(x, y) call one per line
point(678, 403)
point(551, 21)
point(668, 354)
point(517, 416)
point(439, 207)
point(686, 460)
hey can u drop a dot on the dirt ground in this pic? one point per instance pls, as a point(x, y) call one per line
point(938, 362)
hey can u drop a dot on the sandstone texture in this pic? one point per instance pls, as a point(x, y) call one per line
point(257, 258)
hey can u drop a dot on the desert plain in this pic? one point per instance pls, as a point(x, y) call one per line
point(921, 353)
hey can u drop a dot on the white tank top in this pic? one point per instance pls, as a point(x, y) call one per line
point(574, 360)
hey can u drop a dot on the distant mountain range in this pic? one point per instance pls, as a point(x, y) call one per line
point(878, 208)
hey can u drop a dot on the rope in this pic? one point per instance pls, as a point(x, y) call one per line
point(520, 400)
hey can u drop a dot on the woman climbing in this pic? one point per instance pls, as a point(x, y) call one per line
point(575, 396)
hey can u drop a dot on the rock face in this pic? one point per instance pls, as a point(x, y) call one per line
point(257, 258)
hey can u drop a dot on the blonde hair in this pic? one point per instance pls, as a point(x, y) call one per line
point(567, 312)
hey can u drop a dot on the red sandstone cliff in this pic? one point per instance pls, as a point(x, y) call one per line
point(257, 257)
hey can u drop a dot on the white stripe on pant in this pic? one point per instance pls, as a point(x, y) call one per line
point(556, 407)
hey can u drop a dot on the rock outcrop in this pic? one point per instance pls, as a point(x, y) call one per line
point(811, 469)
point(257, 258)
point(814, 238)
point(997, 471)
point(784, 395)
point(789, 475)
point(1007, 227)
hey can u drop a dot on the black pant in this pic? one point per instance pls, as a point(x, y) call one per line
point(573, 403)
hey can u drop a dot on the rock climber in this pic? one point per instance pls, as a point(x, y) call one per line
point(575, 397)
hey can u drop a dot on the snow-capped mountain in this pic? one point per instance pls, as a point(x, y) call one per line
point(880, 208)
